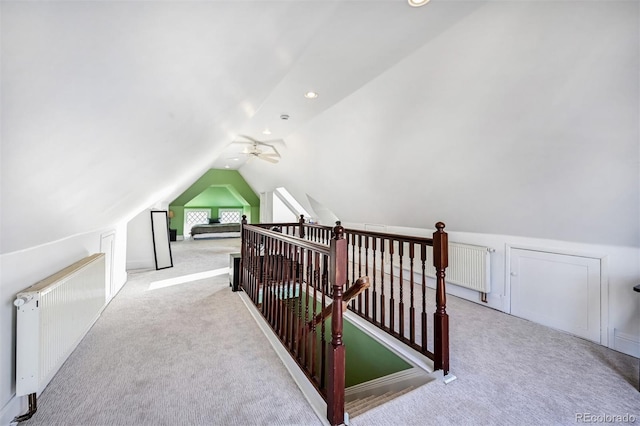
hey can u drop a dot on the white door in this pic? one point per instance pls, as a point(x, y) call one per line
point(557, 290)
point(107, 247)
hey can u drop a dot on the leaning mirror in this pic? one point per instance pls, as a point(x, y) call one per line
point(160, 233)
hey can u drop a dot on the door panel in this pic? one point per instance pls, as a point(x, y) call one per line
point(107, 247)
point(557, 290)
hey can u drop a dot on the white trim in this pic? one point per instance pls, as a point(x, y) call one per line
point(311, 394)
point(110, 290)
point(567, 252)
point(15, 407)
point(139, 265)
point(626, 343)
point(604, 301)
point(506, 304)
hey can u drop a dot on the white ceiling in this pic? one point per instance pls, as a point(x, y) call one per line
point(110, 107)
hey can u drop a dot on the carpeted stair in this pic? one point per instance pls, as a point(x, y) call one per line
point(359, 406)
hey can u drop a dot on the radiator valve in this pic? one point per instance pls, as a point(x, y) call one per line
point(21, 300)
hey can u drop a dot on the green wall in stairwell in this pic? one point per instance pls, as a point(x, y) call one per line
point(214, 190)
point(365, 358)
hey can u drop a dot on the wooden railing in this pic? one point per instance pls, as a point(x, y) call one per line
point(292, 271)
point(292, 281)
point(399, 298)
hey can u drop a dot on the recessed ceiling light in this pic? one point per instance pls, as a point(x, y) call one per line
point(226, 166)
point(266, 132)
point(417, 3)
point(284, 116)
point(235, 158)
point(311, 95)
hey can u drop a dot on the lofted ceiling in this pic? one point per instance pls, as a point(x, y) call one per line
point(423, 114)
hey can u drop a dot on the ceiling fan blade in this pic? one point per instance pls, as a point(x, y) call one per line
point(249, 138)
point(269, 159)
point(269, 155)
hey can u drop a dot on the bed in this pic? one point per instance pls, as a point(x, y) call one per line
point(209, 230)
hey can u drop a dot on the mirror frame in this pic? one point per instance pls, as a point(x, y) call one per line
point(161, 243)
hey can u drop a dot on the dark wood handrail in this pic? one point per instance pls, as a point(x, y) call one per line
point(385, 235)
point(269, 225)
point(359, 286)
point(306, 244)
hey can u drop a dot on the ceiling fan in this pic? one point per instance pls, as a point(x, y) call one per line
point(264, 150)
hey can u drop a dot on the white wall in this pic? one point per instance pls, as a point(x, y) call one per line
point(282, 213)
point(520, 120)
point(140, 242)
point(517, 126)
point(21, 269)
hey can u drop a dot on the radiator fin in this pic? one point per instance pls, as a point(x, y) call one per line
point(58, 312)
point(469, 266)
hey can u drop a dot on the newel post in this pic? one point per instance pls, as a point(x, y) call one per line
point(301, 225)
point(243, 250)
point(242, 224)
point(440, 317)
point(336, 380)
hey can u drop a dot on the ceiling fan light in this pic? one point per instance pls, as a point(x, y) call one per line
point(417, 3)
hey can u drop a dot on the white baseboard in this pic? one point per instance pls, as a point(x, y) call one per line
point(15, 407)
point(626, 343)
point(133, 265)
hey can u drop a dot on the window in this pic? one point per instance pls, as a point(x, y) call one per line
point(230, 215)
point(293, 204)
point(194, 217)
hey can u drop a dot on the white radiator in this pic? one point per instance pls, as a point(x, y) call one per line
point(469, 266)
point(53, 316)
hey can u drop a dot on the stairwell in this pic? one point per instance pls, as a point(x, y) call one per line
point(360, 405)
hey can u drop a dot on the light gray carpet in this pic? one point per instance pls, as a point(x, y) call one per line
point(191, 354)
point(514, 372)
point(188, 354)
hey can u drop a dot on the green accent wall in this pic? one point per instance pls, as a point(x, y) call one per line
point(216, 189)
point(365, 358)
